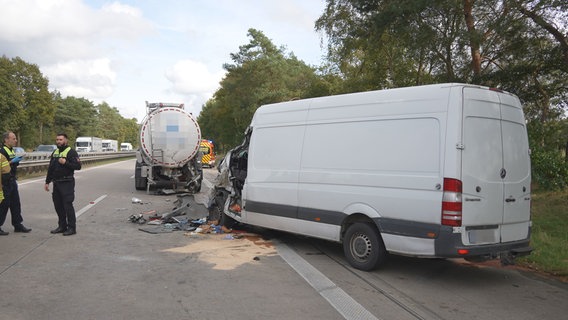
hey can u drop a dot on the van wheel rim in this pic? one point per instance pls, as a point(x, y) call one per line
point(361, 247)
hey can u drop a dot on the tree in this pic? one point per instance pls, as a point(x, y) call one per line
point(550, 15)
point(438, 40)
point(519, 46)
point(260, 73)
point(128, 131)
point(76, 116)
point(11, 97)
point(38, 105)
point(109, 122)
point(36, 115)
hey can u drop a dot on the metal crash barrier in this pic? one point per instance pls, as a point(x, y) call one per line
point(39, 161)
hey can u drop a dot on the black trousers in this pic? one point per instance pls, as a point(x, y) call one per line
point(11, 202)
point(63, 196)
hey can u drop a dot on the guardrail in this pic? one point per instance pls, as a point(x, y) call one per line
point(39, 161)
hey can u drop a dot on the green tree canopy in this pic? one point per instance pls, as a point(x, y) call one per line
point(260, 73)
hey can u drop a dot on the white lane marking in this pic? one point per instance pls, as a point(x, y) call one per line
point(339, 299)
point(90, 205)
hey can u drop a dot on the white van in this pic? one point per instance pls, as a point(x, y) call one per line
point(125, 146)
point(439, 171)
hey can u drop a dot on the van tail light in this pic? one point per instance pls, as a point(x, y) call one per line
point(452, 203)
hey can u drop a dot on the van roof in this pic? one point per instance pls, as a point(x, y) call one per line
point(275, 112)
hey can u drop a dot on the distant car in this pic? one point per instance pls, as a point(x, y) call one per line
point(45, 148)
point(19, 151)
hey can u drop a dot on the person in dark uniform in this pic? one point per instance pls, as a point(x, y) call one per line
point(63, 163)
point(10, 186)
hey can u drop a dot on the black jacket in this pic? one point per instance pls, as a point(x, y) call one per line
point(61, 172)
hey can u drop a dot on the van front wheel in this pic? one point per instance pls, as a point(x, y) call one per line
point(363, 247)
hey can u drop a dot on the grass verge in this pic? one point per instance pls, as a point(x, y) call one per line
point(549, 237)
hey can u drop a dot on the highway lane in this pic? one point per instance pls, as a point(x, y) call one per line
point(111, 270)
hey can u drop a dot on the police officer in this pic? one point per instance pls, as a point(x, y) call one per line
point(63, 163)
point(5, 168)
point(10, 186)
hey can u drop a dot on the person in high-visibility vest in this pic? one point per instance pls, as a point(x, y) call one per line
point(10, 186)
point(5, 168)
point(63, 163)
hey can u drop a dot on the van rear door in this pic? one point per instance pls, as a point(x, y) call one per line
point(495, 168)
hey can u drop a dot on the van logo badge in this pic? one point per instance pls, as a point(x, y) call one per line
point(503, 173)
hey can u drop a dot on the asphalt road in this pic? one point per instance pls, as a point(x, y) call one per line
point(112, 270)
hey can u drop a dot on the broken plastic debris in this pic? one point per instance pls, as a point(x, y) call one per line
point(137, 218)
point(136, 200)
point(199, 221)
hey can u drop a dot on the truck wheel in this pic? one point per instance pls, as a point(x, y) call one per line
point(139, 181)
point(195, 187)
point(363, 247)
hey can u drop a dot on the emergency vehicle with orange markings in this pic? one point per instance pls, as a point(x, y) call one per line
point(207, 149)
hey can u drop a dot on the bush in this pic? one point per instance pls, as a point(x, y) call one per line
point(549, 170)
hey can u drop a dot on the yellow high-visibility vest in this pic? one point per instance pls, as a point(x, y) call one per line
point(11, 153)
point(4, 164)
point(63, 154)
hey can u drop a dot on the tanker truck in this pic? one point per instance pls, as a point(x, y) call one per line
point(168, 156)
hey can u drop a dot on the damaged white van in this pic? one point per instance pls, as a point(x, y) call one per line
point(431, 171)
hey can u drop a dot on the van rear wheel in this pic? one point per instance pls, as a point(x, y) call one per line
point(363, 247)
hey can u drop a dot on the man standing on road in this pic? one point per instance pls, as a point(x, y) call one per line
point(5, 166)
point(63, 163)
point(10, 186)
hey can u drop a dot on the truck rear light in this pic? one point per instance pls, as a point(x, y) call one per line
point(452, 203)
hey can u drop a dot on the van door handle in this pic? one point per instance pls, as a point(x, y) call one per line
point(510, 200)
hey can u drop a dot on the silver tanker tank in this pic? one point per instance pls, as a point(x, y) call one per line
point(168, 155)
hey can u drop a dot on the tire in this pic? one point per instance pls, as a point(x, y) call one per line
point(140, 182)
point(363, 247)
point(216, 212)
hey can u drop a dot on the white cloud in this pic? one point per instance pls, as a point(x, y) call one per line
point(192, 77)
point(82, 78)
point(117, 7)
point(193, 81)
point(125, 52)
point(48, 31)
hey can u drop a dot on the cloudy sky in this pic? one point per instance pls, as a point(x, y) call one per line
point(130, 51)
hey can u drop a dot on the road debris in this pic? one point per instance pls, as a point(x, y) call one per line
point(188, 215)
